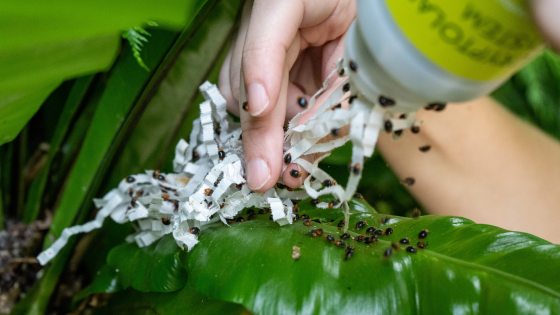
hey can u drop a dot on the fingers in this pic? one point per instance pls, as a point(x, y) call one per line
point(225, 86)
point(332, 52)
point(263, 136)
point(326, 20)
point(268, 44)
point(293, 176)
point(272, 30)
point(306, 72)
point(297, 101)
point(546, 15)
point(263, 141)
point(237, 53)
point(230, 73)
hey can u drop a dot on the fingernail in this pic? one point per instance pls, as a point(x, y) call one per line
point(258, 173)
point(258, 99)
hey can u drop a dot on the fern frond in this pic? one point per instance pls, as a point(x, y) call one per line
point(137, 37)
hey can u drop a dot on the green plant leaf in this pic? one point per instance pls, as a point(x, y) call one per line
point(465, 268)
point(24, 70)
point(137, 37)
point(105, 281)
point(34, 196)
point(124, 95)
point(156, 268)
point(16, 107)
point(113, 116)
point(115, 110)
point(34, 22)
point(46, 43)
point(185, 301)
point(194, 55)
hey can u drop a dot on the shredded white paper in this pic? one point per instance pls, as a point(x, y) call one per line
point(208, 183)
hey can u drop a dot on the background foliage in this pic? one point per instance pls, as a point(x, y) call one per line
point(93, 128)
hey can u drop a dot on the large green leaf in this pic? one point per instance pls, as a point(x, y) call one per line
point(28, 69)
point(113, 115)
point(190, 60)
point(465, 268)
point(35, 194)
point(185, 301)
point(44, 43)
point(16, 107)
point(105, 281)
point(156, 268)
point(124, 96)
point(35, 22)
point(194, 55)
point(116, 109)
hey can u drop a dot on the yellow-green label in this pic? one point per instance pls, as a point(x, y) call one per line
point(474, 39)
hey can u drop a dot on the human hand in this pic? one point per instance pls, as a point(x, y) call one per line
point(284, 50)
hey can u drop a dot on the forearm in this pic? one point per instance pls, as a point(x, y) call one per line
point(484, 164)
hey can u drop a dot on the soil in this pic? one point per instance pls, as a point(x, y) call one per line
point(18, 267)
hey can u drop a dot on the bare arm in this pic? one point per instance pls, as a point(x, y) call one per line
point(484, 164)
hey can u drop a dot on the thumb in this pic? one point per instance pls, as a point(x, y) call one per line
point(272, 30)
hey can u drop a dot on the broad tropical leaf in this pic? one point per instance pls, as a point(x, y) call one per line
point(148, 144)
point(44, 43)
point(105, 281)
point(115, 111)
point(156, 268)
point(185, 301)
point(133, 121)
point(464, 267)
point(122, 100)
point(196, 53)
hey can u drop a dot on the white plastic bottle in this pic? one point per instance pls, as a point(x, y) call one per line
point(419, 52)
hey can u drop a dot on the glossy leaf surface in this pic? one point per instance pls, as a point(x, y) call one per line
point(108, 125)
point(44, 43)
point(185, 301)
point(122, 99)
point(105, 281)
point(465, 268)
point(192, 56)
point(157, 268)
point(113, 115)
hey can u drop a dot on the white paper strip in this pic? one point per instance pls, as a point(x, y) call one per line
point(209, 183)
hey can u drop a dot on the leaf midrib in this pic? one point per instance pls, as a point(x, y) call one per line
point(494, 271)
